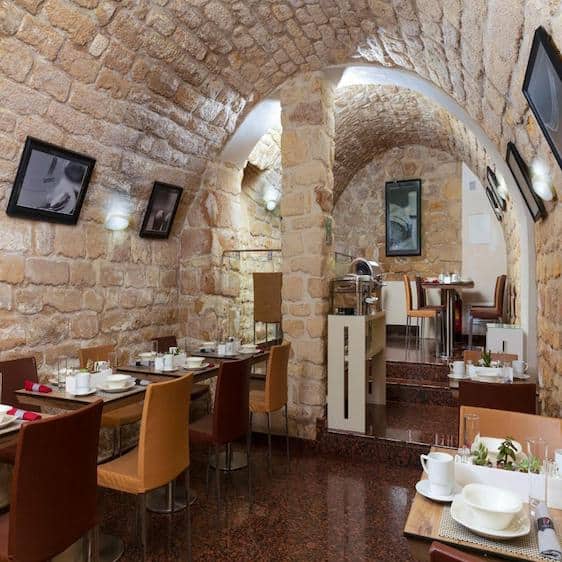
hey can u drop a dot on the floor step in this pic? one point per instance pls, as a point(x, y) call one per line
point(411, 392)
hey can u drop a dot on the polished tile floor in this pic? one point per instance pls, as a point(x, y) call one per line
point(324, 508)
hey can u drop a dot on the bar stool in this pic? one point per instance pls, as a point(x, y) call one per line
point(229, 421)
point(115, 419)
point(54, 491)
point(163, 450)
point(418, 313)
point(274, 397)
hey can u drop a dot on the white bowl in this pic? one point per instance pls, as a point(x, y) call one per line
point(248, 348)
point(147, 355)
point(494, 507)
point(117, 381)
point(194, 361)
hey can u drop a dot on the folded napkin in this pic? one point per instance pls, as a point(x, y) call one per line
point(24, 415)
point(36, 387)
point(549, 547)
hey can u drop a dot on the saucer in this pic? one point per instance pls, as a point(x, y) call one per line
point(452, 375)
point(8, 420)
point(423, 487)
point(128, 386)
point(521, 377)
point(83, 392)
point(202, 366)
point(465, 516)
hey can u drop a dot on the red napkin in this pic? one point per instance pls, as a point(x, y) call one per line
point(36, 387)
point(24, 415)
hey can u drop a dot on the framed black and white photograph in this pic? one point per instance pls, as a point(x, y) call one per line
point(493, 184)
point(50, 184)
point(161, 210)
point(403, 218)
point(522, 178)
point(494, 204)
point(543, 89)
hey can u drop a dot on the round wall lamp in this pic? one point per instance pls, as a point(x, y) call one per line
point(270, 205)
point(116, 221)
point(541, 180)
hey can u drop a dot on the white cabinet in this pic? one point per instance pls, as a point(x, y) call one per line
point(505, 338)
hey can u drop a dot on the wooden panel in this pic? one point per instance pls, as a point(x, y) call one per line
point(267, 297)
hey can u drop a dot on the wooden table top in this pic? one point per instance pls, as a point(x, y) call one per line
point(66, 401)
point(455, 285)
point(424, 520)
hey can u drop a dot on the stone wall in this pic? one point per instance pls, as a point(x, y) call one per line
point(360, 211)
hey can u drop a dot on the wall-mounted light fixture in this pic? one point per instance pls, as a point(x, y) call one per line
point(541, 180)
point(116, 221)
point(271, 197)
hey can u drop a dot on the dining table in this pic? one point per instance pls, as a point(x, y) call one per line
point(448, 290)
point(424, 522)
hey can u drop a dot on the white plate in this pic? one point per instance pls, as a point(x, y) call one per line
point(487, 372)
point(522, 377)
point(53, 381)
point(248, 350)
point(452, 375)
point(124, 388)
point(83, 392)
point(202, 366)
point(423, 487)
point(7, 420)
point(465, 516)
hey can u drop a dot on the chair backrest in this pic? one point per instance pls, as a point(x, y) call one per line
point(439, 552)
point(164, 432)
point(232, 397)
point(408, 293)
point(520, 397)
point(474, 355)
point(420, 292)
point(499, 294)
point(98, 353)
point(54, 487)
point(498, 423)
point(14, 373)
point(164, 343)
point(276, 377)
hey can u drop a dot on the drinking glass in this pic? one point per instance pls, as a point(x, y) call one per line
point(62, 371)
point(154, 346)
point(112, 358)
point(470, 431)
point(537, 454)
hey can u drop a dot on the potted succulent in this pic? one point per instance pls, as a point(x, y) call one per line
point(507, 454)
point(481, 456)
point(486, 358)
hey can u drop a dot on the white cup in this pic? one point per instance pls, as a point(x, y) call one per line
point(168, 362)
point(159, 363)
point(440, 470)
point(455, 277)
point(172, 350)
point(221, 349)
point(82, 382)
point(458, 368)
point(519, 367)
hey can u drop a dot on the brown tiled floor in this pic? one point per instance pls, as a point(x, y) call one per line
point(326, 508)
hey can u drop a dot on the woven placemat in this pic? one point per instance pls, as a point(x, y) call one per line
point(525, 547)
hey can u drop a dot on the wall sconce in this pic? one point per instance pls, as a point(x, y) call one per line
point(541, 180)
point(116, 221)
point(270, 204)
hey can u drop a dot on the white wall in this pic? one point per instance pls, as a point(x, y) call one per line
point(482, 260)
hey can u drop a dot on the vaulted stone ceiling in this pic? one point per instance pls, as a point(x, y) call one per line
point(371, 119)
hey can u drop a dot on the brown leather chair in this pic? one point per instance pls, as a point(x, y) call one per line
point(14, 373)
point(229, 421)
point(439, 552)
point(274, 397)
point(163, 344)
point(418, 313)
point(520, 397)
point(116, 418)
point(54, 487)
point(163, 450)
point(494, 313)
point(475, 355)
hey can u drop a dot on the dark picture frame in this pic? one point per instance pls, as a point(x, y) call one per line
point(403, 218)
point(522, 178)
point(493, 184)
point(50, 184)
point(161, 210)
point(542, 87)
point(494, 204)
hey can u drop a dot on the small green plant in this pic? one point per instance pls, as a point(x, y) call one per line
point(487, 358)
point(531, 464)
point(481, 455)
point(506, 454)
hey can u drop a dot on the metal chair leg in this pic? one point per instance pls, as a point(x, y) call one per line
point(269, 442)
point(208, 470)
point(287, 432)
point(142, 514)
point(218, 484)
point(248, 454)
point(187, 478)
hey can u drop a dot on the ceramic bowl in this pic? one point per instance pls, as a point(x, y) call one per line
point(494, 507)
point(194, 361)
point(117, 381)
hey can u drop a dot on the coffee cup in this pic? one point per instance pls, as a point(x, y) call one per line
point(173, 350)
point(458, 368)
point(519, 367)
point(168, 362)
point(82, 382)
point(440, 470)
point(159, 363)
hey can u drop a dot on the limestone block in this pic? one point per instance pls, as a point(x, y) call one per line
point(83, 273)
point(93, 299)
point(63, 299)
point(41, 36)
point(84, 325)
point(44, 271)
point(12, 268)
point(61, 14)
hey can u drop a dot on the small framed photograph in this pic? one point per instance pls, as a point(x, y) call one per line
point(403, 218)
point(494, 204)
point(542, 87)
point(493, 184)
point(522, 178)
point(50, 184)
point(161, 210)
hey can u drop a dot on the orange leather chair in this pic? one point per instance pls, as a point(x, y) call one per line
point(494, 313)
point(274, 397)
point(418, 313)
point(121, 416)
point(54, 491)
point(163, 450)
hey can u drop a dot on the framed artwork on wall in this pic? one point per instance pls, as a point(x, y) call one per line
point(493, 185)
point(494, 204)
point(542, 87)
point(50, 184)
point(522, 178)
point(161, 210)
point(403, 217)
